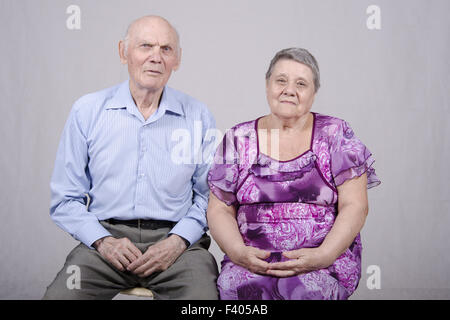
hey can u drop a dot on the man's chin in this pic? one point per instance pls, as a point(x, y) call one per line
point(150, 84)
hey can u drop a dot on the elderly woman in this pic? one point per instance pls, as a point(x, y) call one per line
point(289, 195)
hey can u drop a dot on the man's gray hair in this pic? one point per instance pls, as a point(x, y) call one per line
point(300, 55)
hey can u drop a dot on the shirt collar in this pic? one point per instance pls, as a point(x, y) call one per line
point(122, 99)
point(170, 102)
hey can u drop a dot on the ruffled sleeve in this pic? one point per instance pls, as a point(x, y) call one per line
point(350, 158)
point(224, 173)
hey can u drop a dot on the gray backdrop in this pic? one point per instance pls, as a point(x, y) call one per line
point(390, 83)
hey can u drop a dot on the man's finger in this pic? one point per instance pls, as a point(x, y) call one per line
point(148, 266)
point(116, 263)
point(137, 263)
point(135, 250)
point(130, 256)
point(147, 272)
point(123, 260)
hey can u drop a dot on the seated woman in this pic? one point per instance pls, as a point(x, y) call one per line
point(289, 195)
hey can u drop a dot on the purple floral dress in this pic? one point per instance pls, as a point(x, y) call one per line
point(288, 205)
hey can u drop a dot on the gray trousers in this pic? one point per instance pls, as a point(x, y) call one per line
point(192, 276)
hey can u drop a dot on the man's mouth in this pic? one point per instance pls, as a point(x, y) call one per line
point(153, 71)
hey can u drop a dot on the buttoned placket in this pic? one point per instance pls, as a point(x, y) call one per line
point(140, 169)
point(141, 178)
point(140, 231)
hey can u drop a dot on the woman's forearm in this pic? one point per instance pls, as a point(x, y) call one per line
point(346, 227)
point(223, 225)
point(351, 215)
point(225, 231)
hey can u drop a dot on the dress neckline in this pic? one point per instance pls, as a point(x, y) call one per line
point(258, 153)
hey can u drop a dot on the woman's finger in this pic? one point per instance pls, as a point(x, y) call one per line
point(262, 254)
point(294, 254)
point(281, 273)
point(286, 265)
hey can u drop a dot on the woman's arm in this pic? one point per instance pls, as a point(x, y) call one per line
point(225, 231)
point(352, 213)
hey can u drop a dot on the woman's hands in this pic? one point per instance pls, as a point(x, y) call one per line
point(301, 261)
point(250, 258)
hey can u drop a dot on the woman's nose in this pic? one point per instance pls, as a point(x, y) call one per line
point(289, 89)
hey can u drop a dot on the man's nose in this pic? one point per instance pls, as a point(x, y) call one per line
point(155, 54)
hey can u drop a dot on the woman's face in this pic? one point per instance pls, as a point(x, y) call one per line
point(290, 89)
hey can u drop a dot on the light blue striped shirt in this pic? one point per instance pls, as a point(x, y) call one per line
point(130, 167)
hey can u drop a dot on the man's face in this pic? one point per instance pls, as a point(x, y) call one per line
point(152, 53)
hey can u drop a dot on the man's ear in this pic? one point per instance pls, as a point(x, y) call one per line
point(122, 55)
point(177, 66)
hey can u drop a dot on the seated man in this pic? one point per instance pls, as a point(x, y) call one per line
point(146, 221)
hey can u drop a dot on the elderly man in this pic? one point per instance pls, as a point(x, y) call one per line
point(145, 221)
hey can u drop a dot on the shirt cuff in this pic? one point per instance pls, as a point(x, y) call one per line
point(188, 229)
point(91, 232)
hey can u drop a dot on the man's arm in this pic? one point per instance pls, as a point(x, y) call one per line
point(70, 183)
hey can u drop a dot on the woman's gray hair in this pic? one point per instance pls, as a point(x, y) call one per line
point(300, 55)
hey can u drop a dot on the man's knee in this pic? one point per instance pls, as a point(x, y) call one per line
point(83, 276)
point(204, 272)
point(65, 286)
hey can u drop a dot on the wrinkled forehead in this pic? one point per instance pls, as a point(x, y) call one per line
point(153, 30)
point(293, 68)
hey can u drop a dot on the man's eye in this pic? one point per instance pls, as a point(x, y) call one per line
point(281, 81)
point(301, 84)
point(166, 49)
